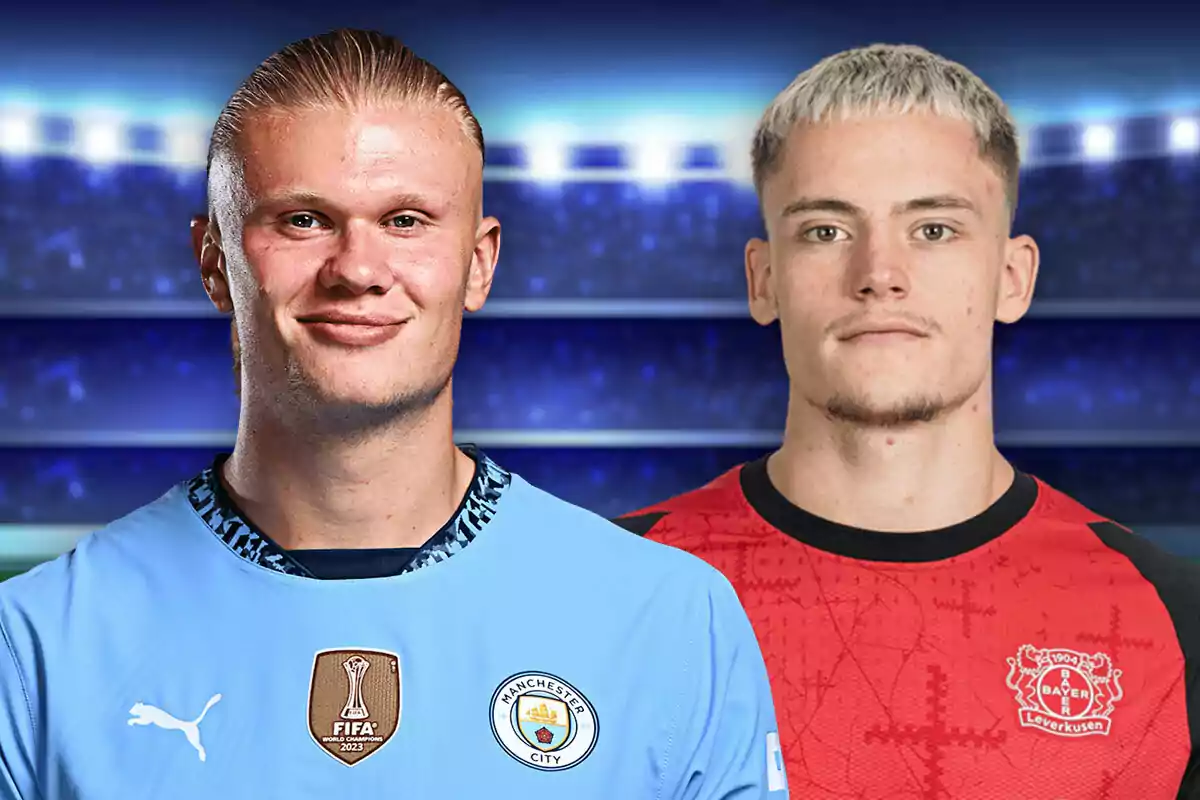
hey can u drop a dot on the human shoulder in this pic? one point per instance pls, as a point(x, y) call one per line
point(719, 502)
point(1175, 578)
point(101, 560)
point(606, 547)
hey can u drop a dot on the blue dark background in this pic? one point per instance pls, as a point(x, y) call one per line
point(615, 364)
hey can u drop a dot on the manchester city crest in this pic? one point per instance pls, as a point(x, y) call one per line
point(543, 721)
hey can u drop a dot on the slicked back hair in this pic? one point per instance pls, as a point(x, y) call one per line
point(345, 68)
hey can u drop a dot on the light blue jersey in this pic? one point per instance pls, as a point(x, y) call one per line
point(530, 650)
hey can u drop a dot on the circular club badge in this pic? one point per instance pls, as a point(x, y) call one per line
point(543, 721)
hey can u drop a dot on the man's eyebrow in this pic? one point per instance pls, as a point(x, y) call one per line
point(831, 204)
point(936, 202)
point(296, 199)
point(307, 199)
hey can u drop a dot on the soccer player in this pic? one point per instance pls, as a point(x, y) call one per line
point(935, 623)
point(349, 605)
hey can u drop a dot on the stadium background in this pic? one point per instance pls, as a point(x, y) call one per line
point(615, 364)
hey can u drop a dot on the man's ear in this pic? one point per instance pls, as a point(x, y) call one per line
point(764, 307)
point(206, 246)
point(1017, 278)
point(483, 263)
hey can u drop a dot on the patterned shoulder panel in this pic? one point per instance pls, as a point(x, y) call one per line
point(217, 510)
point(214, 506)
point(477, 509)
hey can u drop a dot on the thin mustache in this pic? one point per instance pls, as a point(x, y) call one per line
point(851, 321)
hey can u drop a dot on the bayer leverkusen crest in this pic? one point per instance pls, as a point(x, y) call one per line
point(354, 702)
point(1064, 692)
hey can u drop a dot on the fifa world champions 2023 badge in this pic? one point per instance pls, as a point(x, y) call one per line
point(1064, 692)
point(354, 702)
point(543, 721)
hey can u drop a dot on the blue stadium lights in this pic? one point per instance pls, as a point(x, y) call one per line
point(547, 152)
point(1099, 142)
point(100, 139)
point(652, 154)
point(653, 147)
point(1185, 136)
point(655, 161)
point(547, 161)
point(17, 134)
point(186, 142)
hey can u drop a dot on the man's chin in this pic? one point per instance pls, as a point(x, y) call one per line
point(899, 411)
point(365, 398)
point(347, 382)
point(355, 394)
point(358, 402)
point(371, 402)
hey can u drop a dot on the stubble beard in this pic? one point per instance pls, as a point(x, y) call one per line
point(356, 419)
point(916, 409)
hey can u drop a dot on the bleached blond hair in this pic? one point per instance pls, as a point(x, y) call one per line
point(889, 78)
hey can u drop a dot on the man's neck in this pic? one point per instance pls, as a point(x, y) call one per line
point(394, 489)
point(918, 478)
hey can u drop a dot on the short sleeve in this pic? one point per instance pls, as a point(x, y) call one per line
point(726, 743)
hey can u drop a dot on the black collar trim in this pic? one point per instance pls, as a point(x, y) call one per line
point(220, 513)
point(844, 540)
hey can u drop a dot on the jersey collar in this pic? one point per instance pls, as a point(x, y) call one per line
point(845, 540)
point(218, 511)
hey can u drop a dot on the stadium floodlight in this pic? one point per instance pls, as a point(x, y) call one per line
point(17, 133)
point(1099, 142)
point(185, 144)
point(653, 161)
point(547, 160)
point(1185, 136)
point(100, 142)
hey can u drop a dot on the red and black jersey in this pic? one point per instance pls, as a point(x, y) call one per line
point(1037, 650)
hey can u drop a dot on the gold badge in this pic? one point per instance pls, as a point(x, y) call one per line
point(354, 702)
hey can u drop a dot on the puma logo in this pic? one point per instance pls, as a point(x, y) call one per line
point(143, 714)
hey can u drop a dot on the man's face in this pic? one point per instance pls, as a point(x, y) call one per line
point(351, 242)
point(887, 265)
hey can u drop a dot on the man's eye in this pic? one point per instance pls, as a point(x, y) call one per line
point(936, 232)
point(303, 221)
point(403, 221)
point(824, 234)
